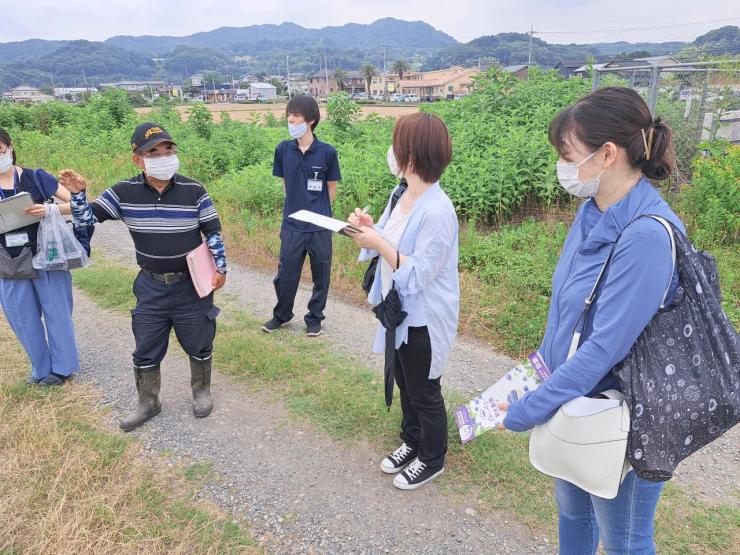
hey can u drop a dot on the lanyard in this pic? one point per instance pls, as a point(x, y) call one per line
point(16, 182)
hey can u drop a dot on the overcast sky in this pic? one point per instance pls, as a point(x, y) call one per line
point(561, 21)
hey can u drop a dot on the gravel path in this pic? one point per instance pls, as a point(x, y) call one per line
point(299, 491)
point(711, 474)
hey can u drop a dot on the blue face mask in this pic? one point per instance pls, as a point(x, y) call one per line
point(297, 130)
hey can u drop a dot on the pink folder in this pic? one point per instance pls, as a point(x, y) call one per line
point(202, 268)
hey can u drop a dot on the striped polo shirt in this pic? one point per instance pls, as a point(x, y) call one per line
point(164, 226)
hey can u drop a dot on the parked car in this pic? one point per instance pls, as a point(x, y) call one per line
point(378, 97)
point(398, 97)
point(459, 96)
point(431, 98)
point(411, 98)
point(360, 96)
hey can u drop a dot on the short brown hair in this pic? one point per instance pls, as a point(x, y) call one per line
point(421, 142)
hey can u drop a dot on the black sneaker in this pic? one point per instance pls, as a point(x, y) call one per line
point(314, 330)
point(415, 474)
point(273, 324)
point(398, 459)
point(53, 380)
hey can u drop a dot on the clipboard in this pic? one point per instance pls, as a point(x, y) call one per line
point(202, 268)
point(12, 212)
point(332, 224)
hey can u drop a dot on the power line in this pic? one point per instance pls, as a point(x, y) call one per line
point(590, 31)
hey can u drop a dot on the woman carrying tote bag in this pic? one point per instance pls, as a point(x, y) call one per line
point(36, 303)
point(609, 146)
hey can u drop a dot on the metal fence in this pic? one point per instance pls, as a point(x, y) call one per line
point(700, 101)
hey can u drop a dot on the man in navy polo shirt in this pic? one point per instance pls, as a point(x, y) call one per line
point(167, 214)
point(310, 171)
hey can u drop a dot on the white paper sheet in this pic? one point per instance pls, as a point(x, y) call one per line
point(322, 221)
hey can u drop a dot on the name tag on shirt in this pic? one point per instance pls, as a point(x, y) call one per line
point(16, 239)
point(315, 185)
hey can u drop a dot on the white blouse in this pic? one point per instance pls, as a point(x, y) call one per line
point(392, 232)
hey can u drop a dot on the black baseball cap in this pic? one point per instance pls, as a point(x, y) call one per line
point(148, 135)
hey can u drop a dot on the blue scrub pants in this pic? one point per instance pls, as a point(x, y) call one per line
point(49, 342)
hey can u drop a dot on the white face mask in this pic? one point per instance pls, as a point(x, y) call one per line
point(162, 167)
point(6, 161)
point(393, 163)
point(297, 130)
point(568, 177)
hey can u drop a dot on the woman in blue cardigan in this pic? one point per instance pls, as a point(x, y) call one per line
point(610, 146)
point(417, 242)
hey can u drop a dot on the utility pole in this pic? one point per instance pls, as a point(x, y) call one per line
point(529, 58)
point(287, 69)
point(326, 73)
point(383, 58)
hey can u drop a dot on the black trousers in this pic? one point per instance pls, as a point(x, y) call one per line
point(161, 307)
point(424, 423)
point(294, 246)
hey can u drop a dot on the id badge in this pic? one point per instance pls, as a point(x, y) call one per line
point(16, 239)
point(315, 185)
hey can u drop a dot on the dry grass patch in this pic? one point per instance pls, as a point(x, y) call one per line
point(69, 484)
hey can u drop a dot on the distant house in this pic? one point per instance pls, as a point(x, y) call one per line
point(521, 71)
point(567, 68)
point(137, 86)
point(28, 94)
point(196, 80)
point(299, 84)
point(440, 83)
point(353, 83)
point(455, 80)
point(584, 70)
point(72, 94)
point(321, 85)
point(659, 60)
point(262, 91)
point(222, 92)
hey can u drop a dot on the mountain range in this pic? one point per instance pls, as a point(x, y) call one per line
point(260, 49)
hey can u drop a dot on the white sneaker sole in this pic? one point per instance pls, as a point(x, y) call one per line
point(403, 486)
point(268, 330)
point(389, 470)
point(314, 333)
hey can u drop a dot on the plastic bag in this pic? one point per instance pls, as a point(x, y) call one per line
point(57, 247)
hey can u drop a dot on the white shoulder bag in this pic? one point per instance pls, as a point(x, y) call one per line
point(585, 442)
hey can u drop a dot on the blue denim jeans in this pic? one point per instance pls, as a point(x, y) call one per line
point(624, 524)
point(40, 313)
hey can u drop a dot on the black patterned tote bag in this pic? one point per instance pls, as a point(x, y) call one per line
point(681, 379)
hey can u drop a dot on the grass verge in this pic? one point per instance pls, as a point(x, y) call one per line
point(68, 484)
point(343, 398)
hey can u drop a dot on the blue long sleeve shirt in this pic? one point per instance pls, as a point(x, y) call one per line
point(640, 272)
point(427, 281)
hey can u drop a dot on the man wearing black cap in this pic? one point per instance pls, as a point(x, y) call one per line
point(167, 215)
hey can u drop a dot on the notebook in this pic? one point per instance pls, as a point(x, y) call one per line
point(202, 268)
point(12, 212)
